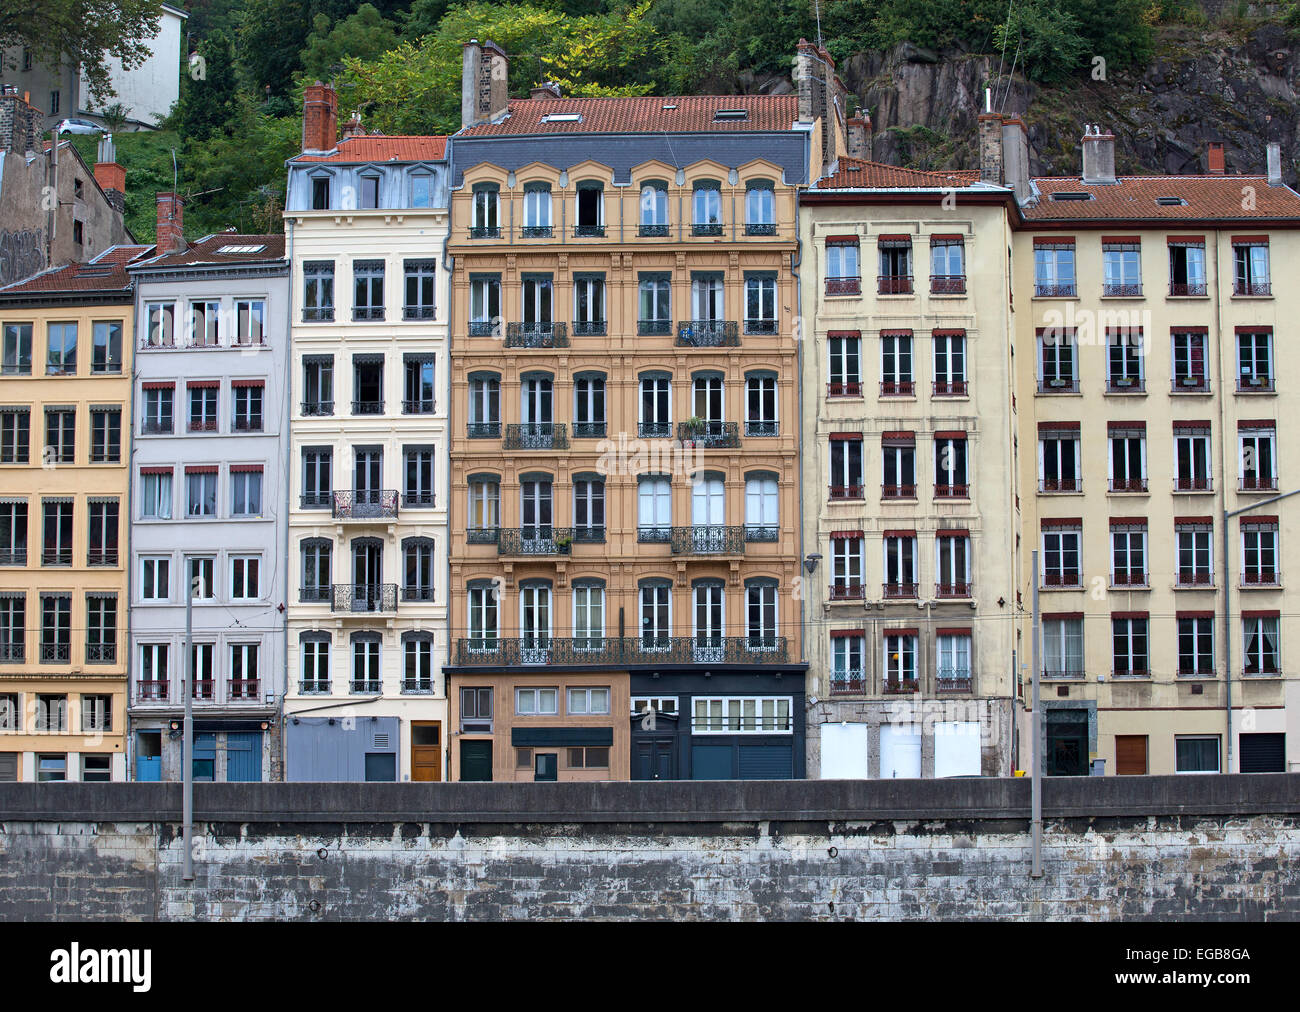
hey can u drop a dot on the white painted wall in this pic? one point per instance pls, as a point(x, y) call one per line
point(844, 752)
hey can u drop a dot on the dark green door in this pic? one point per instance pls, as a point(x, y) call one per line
point(546, 766)
point(476, 760)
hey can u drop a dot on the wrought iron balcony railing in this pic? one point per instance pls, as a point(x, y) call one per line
point(843, 286)
point(483, 430)
point(760, 228)
point(485, 232)
point(315, 595)
point(589, 328)
point(1182, 484)
point(102, 557)
point(1187, 384)
point(417, 593)
point(368, 407)
point(1128, 578)
point(13, 556)
point(1063, 579)
point(846, 491)
point(762, 428)
point(203, 688)
point(654, 535)
point(13, 652)
point(1062, 291)
point(154, 691)
point(709, 228)
point(313, 686)
point(707, 334)
point(56, 557)
point(1128, 484)
point(484, 328)
point(592, 534)
point(317, 314)
point(648, 650)
point(710, 435)
point(1257, 483)
point(541, 540)
point(364, 597)
point(1193, 578)
point(900, 591)
point(957, 590)
point(847, 591)
point(367, 312)
point(419, 312)
point(537, 231)
point(898, 491)
point(1179, 288)
point(418, 684)
point(588, 231)
point(947, 284)
point(1060, 485)
point(247, 424)
point(843, 389)
point(1125, 385)
point(419, 500)
point(653, 231)
point(850, 682)
point(537, 436)
point(900, 686)
point(949, 388)
point(417, 406)
point(365, 504)
point(101, 653)
point(654, 328)
point(898, 284)
point(654, 430)
point(1058, 385)
point(952, 491)
point(366, 686)
point(760, 532)
point(1261, 578)
point(1114, 291)
point(537, 335)
point(310, 409)
point(898, 388)
point(157, 427)
point(1252, 288)
point(760, 326)
point(589, 430)
point(708, 539)
point(242, 688)
point(953, 680)
point(1074, 669)
point(482, 535)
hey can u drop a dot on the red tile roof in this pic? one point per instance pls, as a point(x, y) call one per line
point(861, 174)
point(1133, 198)
point(105, 273)
point(379, 148)
point(643, 114)
point(208, 251)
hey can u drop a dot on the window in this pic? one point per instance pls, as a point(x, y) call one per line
point(105, 435)
point(900, 662)
point(15, 436)
point(106, 346)
point(60, 435)
point(656, 407)
point(1121, 258)
point(589, 623)
point(475, 709)
point(483, 629)
point(1192, 538)
point(654, 508)
point(588, 305)
point(52, 767)
point(656, 615)
point(895, 265)
point(315, 650)
point(17, 350)
point(1258, 456)
point(51, 713)
point(1061, 547)
point(588, 407)
point(244, 570)
point(896, 378)
point(587, 701)
point(584, 758)
point(949, 363)
point(950, 480)
point(1250, 265)
point(484, 506)
point(898, 463)
point(953, 661)
point(762, 519)
point(760, 405)
point(367, 289)
point(417, 394)
point(155, 579)
point(1195, 644)
point(952, 564)
point(1187, 265)
point(366, 675)
point(1190, 375)
point(54, 111)
point(56, 629)
point(1259, 552)
point(1129, 644)
point(845, 375)
point(156, 493)
point(318, 385)
point(248, 398)
point(1063, 646)
point(1058, 457)
point(161, 317)
point(486, 210)
point(708, 619)
point(761, 614)
point(1124, 357)
point(1054, 268)
point(847, 566)
point(317, 556)
point(101, 628)
point(535, 702)
point(1192, 457)
point(589, 509)
point(367, 384)
point(203, 405)
point(56, 547)
point(1058, 371)
point(534, 622)
point(201, 579)
point(96, 768)
point(484, 407)
point(13, 638)
point(842, 273)
point(157, 417)
point(708, 300)
point(848, 648)
point(947, 265)
point(417, 490)
point(485, 306)
point(654, 209)
point(1128, 456)
point(741, 715)
point(1259, 634)
point(846, 467)
point(61, 357)
point(760, 209)
point(760, 304)
point(201, 492)
point(590, 220)
point(1128, 553)
point(320, 193)
point(102, 535)
point(900, 564)
point(706, 205)
point(421, 279)
point(318, 290)
point(655, 304)
point(205, 323)
point(317, 481)
point(152, 683)
point(537, 211)
point(369, 192)
point(1254, 361)
point(13, 533)
point(417, 569)
point(250, 322)
point(1196, 754)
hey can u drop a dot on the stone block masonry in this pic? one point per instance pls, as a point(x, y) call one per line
point(1184, 848)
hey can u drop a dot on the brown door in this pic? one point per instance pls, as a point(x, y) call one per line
point(1130, 754)
point(426, 750)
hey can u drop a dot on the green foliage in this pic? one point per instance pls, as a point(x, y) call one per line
point(1044, 39)
point(365, 35)
point(207, 102)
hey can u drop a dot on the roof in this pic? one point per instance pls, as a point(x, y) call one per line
point(1133, 198)
point(105, 273)
point(238, 249)
point(642, 114)
point(364, 148)
point(861, 174)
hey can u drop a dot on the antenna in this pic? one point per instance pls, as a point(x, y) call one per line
point(817, 9)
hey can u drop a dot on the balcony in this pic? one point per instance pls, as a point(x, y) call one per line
point(1252, 288)
point(203, 688)
point(1261, 578)
point(310, 409)
point(843, 286)
point(897, 491)
point(654, 328)
point(13, 556)
point(956, 591)
point(537, 436)
point(366, 686)
point(711, 228)
point(952, 491)
point(484, 328)
point(1050, 485)
point(314, 687)
point(613, 651)
point(1059, 385)
point(895, 285)
point(365, 504)
point(368, 407)
point(762, 429)
point(419, 684)
point(588, 231)
point(1257, 483)
point(1128, 484)
point(654, 535)
point(843, 389)
point(947, 284)
point(756, 532)
point(589, 430)
point(652, 231)
point(485, 232)
point(654, 430)
point(847, 592)
point(1063, 581)
point(517, 541)
point(592, 534)
point(848, 683)
point(242, 688)
point(419, 500)
point(1193, 485)
point(760, 228)
point(363, 597)
point(317, 314)
point(315, 595)
point(898, 388)
point(13, 652)
point(899, 591)
point(900, 686)
point(537, 231)
point(1179, 289)
point(710, 435)
point(1129, 578)
point(846, 492)
point(419, 312)
point(589, 328)
point(154, 691)
point(537, 335)
point(707, 539)
point(1194, 579)
point(103, 557)
point(56, 557)
point(419, 406)
point(101, 653)
point(482, 535)
point(760, 326)
point(1065, 291)
point(707, 334)
point(367, 313)
point(953, 680)
point(1116, 291)
point(315, 500)
point(483, 430)
point(949, 388)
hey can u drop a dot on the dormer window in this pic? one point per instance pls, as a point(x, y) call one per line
point(708, 209)
point(537, 211)
point(654, 209)
point(591, 210)
point(421, 189)
point(369, 192)
point(486, 201)
point(760, 209)
point(320, 193)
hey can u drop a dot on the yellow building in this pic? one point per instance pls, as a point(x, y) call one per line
point(65, 388)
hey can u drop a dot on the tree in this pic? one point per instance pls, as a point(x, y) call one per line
point(85, 32)
point(208, 97)
point(365, 35)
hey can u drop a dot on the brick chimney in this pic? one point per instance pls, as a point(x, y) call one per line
point(110, 176)
point(990, 130)
point(484, 83)
point(1214, 158)
point(1015, 157)
point(859, 136)
point(1274, 150)
point(1098, 156)
point(170, 234)
point(809, 82)
point(320, 118)
point(20, 122)
point(545, 90)
point(353, 128)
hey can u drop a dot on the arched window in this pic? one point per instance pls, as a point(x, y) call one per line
point(761, 613)
point(487, 199)
point(654, 208)
point(537, 210)
point(417, 569)
point(314, 647)
point(762, 522)
point(707, 206)
point(760, 208)
point(317, 555)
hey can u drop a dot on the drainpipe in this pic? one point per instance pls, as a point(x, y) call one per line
point(447, 266)
point(128, 750)
point(795, 263)
point(285, 414)
point(1222, 497)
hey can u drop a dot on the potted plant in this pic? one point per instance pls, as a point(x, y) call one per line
point(563, 541)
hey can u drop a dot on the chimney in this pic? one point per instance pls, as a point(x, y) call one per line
point(170, 233)
point(1015, 157)
point(859, 136)
point(320, 118)
point(20, 122)
point(1214, 158)
point(808, 82)
point(547, 89)
point(990, 129)
point(484, 83)
point(1098, 157)
point(1274, 163)
point(110, 176)
point(352, 128)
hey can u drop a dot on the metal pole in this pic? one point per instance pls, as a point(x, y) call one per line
point(187, 740)
point(1036, 816)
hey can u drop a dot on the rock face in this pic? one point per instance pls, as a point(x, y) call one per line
point(1237, 87)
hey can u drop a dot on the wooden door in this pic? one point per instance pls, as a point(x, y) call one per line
point(426, 750)
point(1131, 754)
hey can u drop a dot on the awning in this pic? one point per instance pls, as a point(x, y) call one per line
point(534, 737)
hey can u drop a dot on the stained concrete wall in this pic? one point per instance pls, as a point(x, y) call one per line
point(1196, 848)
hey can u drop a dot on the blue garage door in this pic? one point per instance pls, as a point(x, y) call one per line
point(767, 762)
point(712, 762)
point(244, 757)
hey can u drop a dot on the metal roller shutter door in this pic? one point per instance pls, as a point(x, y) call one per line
point(1263, 753)
point(767, 762)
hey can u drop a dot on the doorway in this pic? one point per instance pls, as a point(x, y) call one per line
point(148, 756)
point(1067, 743)
point(546, 766)
point(426, 750)
point(475, 760)
point(654, 760)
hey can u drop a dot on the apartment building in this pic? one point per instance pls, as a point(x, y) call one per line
point(366, 223)
point(908, 378)
point(624, 444)
point(1152, 376)
point(65, 388)
point(208, 512)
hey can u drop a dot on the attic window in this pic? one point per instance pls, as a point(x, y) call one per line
point(1171, 201)
point(736, 114)
point(670, 106)
point(232, 250)
point(1071, 195)
point(562, 117)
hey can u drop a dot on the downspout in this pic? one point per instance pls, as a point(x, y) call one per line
point(795, 263)
point(1223, 508)
point(128, 751)
point(447, 266)
point(286, 413)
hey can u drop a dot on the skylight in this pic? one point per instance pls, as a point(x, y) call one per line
point(562, 117)
point(731, 114)
point(233, 250)
point(1171, 201)
point(1071, 195)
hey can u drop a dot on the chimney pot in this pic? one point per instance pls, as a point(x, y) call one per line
point(1098, 156)
point(1214, 163)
